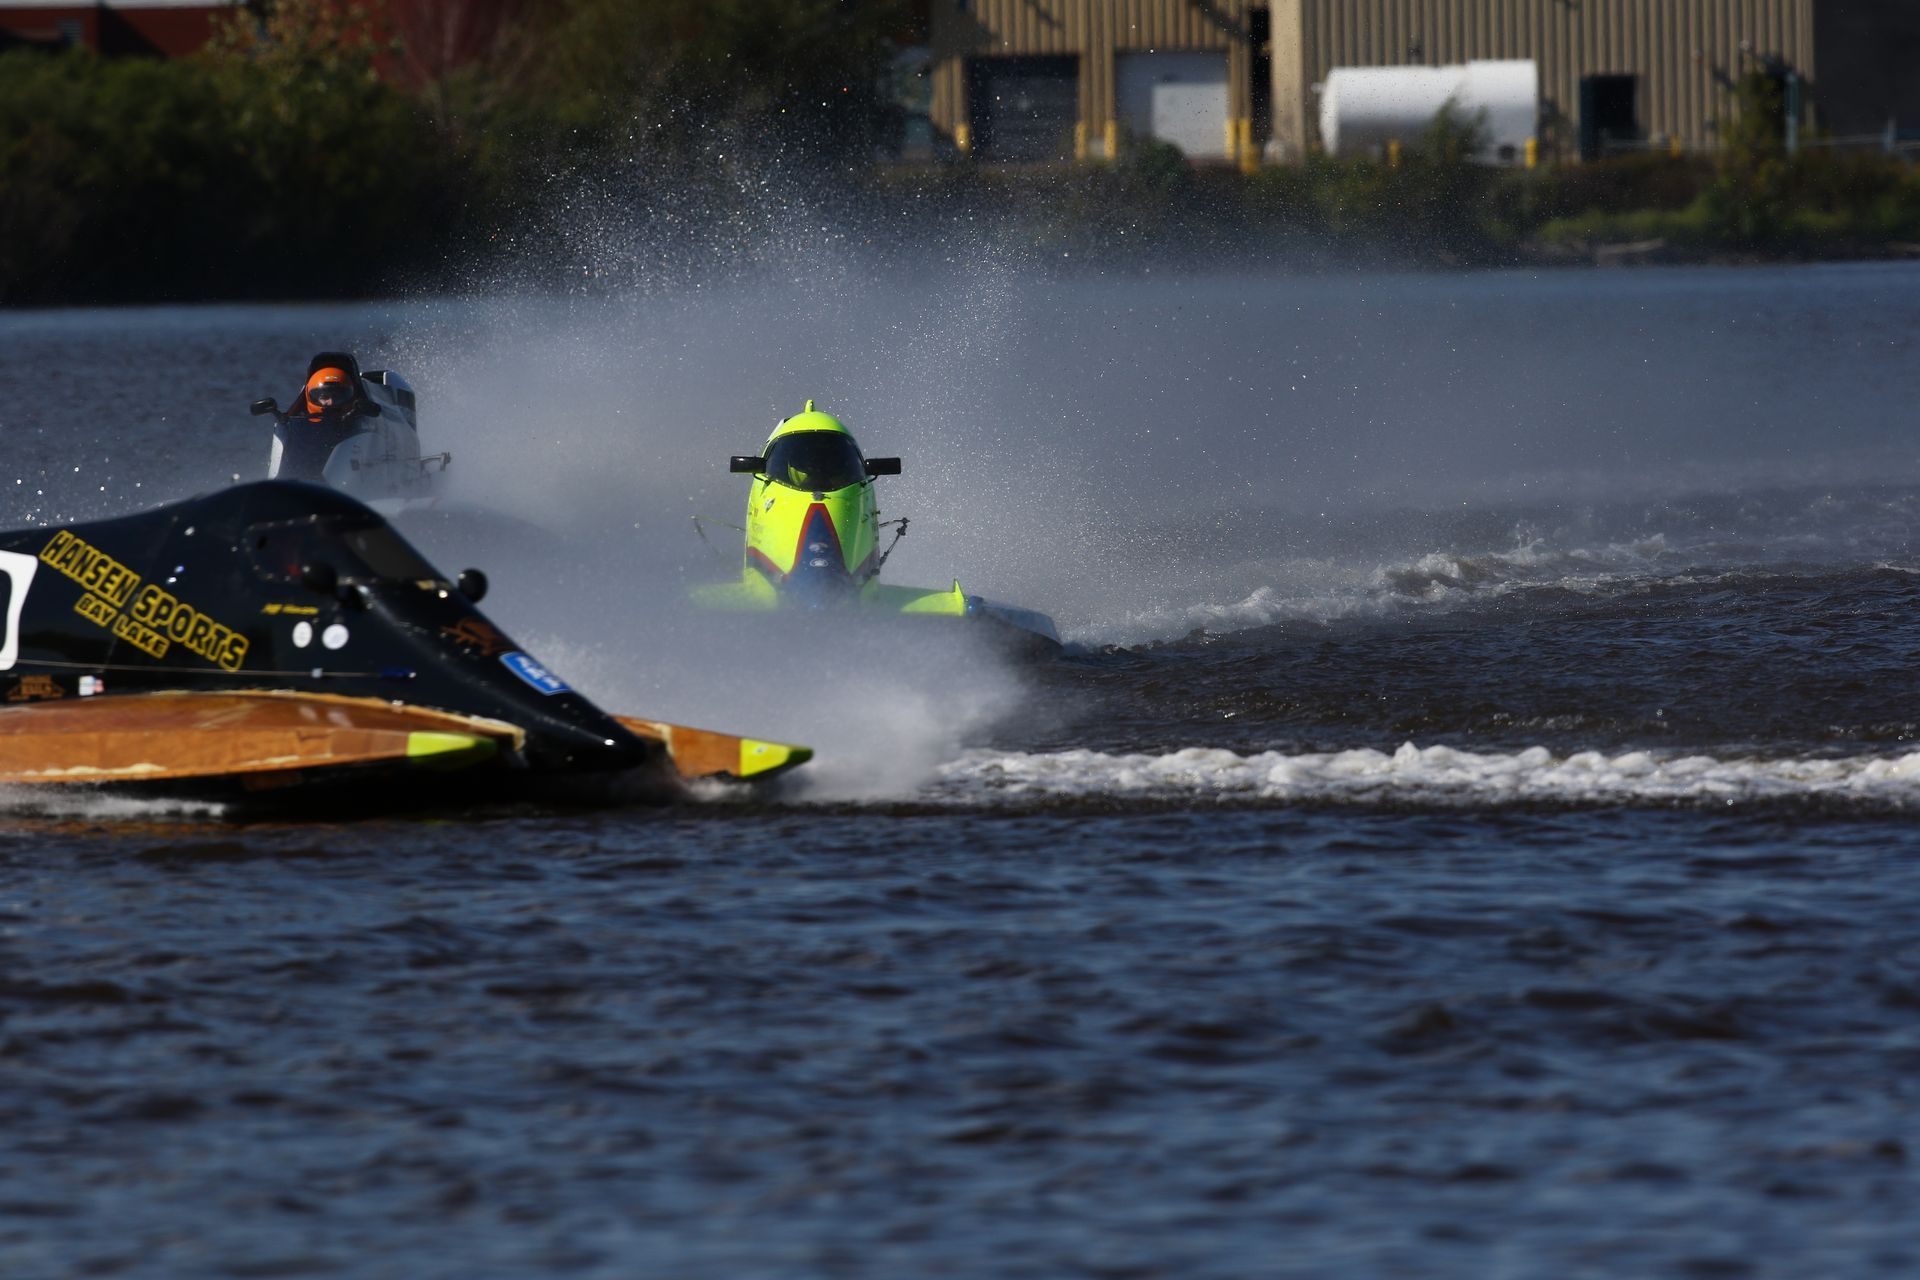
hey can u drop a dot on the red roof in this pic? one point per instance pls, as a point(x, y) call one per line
point(169, 28)
point(435, 36)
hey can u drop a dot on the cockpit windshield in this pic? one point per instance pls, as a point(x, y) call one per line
point(368, 551)
point(820, 461)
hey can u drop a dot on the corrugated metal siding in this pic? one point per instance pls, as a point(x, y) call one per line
point(1675, 47)
point(1055, 26)
point(1182, 24)
point(1012, 26)
point(1093, 29)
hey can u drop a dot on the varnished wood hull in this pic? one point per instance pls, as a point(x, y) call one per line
point(258, 741)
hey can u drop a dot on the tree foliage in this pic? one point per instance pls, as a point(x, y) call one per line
point(255, 168)
point(287, 158)
point(311, 151)
point(1750, 198)
point(804, 72)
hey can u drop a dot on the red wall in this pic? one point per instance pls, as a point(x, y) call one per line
point(437, 36)
point(170, 32)
point(108, 29)
point(44, 26)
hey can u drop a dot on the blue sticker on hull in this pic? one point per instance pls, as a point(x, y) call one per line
point(533, 673)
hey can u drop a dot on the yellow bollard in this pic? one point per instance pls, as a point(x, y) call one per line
point(1393, 154)
point(1533, 153)
point(963, 138)
point(1113, 139)
point(1674, 148)
point(1249, 158)
point(1080, 140)
point(1233, 134)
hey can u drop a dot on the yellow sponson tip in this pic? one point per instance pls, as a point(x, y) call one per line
point(757, 758)
point(448, 750)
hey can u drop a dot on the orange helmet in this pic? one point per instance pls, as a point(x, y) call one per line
point(328, 389)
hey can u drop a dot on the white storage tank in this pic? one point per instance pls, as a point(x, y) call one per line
point(1363, 108)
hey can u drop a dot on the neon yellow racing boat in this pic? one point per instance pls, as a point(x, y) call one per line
point(813, 536)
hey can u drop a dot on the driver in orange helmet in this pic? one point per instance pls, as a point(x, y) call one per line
point(329, 392)
point(314, 425)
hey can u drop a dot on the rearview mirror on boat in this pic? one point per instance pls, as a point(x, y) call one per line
point(746, 463)
point(263, 406)
point(883, 466)
point(473, 585)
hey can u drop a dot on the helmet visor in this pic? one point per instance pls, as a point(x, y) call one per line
point(329, 395)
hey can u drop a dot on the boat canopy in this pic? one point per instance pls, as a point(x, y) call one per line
point(818, 461)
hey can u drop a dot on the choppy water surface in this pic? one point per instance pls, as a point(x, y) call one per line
point(1471, 835)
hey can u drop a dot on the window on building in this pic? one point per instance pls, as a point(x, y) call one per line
point(1023, 108)
point(1609, 114)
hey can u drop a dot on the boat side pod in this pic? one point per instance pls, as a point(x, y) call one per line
point(704, 754)
point(253, 741)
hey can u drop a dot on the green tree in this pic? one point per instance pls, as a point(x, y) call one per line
point(266, 165)
point(807, 70)
point(1750, 199)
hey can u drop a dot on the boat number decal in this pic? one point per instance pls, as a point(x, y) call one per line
point(302, 634)
point(153, 622)
point(533, 673)
point(19, 570)
point(334, 637)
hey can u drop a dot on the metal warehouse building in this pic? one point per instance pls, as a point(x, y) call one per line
point(1040, 80)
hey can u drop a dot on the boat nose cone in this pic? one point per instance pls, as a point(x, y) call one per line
point(570, 748)
point(819, 576)
point(565, 732)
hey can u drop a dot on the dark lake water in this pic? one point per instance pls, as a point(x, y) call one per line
point(1472, 832)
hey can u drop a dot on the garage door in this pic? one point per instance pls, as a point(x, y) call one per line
point(1176, 97)
point(1023, 108)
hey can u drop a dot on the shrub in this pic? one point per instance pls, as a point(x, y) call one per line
point(214, 176)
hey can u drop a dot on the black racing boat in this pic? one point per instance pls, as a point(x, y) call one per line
point(282, 635)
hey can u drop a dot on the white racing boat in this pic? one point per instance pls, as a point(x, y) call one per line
point(366, 442)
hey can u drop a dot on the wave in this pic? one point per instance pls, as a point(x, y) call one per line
point(1321, 592)
point(1435, 775)
point(1490, 553)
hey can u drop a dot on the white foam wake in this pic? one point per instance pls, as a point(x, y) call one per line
point(100, 806)
point(1429, 775)
point(1327, 591)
